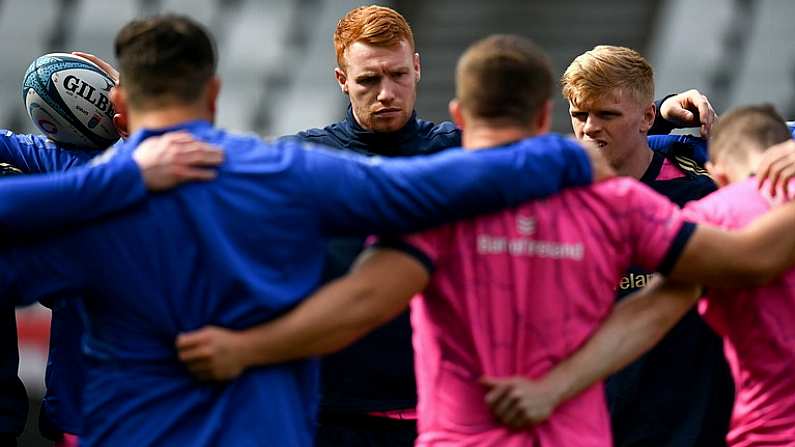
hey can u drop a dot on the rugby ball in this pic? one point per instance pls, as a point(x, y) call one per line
point(68, 99)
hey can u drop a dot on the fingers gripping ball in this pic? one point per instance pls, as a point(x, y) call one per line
point(68, 99)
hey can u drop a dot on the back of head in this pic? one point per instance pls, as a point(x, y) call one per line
point(503, 79)
point(745, 130)
point(163, 60)
point(602, 70)
point(374, 25)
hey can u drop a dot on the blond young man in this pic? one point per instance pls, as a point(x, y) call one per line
point(680, 393)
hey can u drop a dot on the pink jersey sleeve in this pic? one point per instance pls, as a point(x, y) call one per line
point(658, 229)
point(426, 246)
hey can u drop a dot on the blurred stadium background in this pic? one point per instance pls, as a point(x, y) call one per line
point(277, 60)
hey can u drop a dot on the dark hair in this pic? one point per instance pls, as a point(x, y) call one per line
point(164, 59)
point(505, 78)
point(747, 128)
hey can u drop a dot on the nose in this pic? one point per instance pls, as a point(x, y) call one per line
point(592, 125)
point(387, 92)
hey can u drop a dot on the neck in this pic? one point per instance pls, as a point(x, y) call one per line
point(740, 170)
point(637, 164)
point(167, 116)
point(480, 136)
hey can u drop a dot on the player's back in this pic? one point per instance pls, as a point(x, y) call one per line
point(756, 323)
point(516, 292)
point(233, 252)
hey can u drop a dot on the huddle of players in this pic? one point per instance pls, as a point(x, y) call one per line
point(472, 322)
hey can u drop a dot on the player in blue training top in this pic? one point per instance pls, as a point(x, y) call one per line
point(237, 251)
point(53, 202)
point(63, 380)
point(60, 412)
point(14, 401)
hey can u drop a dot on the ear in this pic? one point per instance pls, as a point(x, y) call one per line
point(417, 67)
point(342, 79)
point(119, 101)
point(456, 113)
point(544, 119)
point(717, 173)
point(649, 113)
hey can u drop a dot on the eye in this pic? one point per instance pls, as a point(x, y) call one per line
point(579, 116)
point(368, 80)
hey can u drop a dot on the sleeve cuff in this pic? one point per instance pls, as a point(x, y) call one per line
point(677, 246)
point(411, 250)
point(661, 126)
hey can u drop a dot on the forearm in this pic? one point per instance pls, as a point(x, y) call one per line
point(377, 290)
point(636, 324)
point(45, 202)
point(330, 320)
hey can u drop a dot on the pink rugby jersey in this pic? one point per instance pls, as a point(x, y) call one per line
point(514, 293)
point(758, 329)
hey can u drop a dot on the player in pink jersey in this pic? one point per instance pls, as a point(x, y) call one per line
point(755, 323)
point(514, 293)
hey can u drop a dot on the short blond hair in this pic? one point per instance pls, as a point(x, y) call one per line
point(374, 25)
point(597, 72)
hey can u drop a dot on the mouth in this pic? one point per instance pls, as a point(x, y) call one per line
point(387, 112)
point(598, 143)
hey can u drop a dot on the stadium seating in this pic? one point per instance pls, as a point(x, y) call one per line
point(24, 34)
point(736, 51)
point(768, 69)
point(444, 28)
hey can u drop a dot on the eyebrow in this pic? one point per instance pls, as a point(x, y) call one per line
point(367, 74)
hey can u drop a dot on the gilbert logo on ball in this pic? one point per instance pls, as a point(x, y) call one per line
point(67, 98)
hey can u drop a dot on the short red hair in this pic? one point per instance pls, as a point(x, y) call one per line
point(373, 25)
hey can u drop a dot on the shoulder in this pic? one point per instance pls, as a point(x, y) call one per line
point(333, 135)
point(690, 155)
point(627, 195)
point(441, 136)
point(729, 205)
point(693, 150)
point(37, 140)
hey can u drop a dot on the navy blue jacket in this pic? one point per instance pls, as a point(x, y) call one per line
point(377, 372)
point(680, 393)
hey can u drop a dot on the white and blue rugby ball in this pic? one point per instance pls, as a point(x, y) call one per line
point(68, 99)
